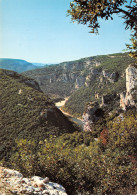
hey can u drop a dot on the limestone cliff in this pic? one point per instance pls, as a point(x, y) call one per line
point(83, 79)
point(92, 113)
point(129, 98)
point(65, 78)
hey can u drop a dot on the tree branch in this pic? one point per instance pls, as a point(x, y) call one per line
point(129, 15)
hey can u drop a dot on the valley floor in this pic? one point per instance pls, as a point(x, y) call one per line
point(62, 103)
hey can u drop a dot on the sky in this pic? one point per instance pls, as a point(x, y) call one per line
point(39, 31)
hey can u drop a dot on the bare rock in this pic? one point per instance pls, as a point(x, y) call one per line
point(80, 81)
point(131, 78)
point(129, 98)
point(112, 77)
point(16, 184)
point(106, 99)
point(92, 114)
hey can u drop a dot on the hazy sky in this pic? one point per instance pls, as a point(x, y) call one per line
point(39, 31)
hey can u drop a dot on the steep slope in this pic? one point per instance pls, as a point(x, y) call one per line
point(16, 65)
point(25, 112)
point(84, 80)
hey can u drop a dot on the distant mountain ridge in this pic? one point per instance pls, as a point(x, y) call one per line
point(16, 65)
point(40, 64)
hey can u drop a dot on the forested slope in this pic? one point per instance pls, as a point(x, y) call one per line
point(26, 112)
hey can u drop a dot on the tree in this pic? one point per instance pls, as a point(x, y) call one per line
point(91, 11)
point(133, 47)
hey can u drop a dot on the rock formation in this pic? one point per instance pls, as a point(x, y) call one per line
point(107, 99)
point(13, 182)
point(28, 81)
point(92, 114)
point(112, 77)
point(80, 81)
point(129, 98)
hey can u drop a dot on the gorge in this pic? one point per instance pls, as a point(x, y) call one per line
point(39, 141)
point(60, 104)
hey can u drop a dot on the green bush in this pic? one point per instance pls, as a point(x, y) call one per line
point(81, 163)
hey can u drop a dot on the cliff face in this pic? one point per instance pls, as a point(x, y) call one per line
point(92, 113)
point(88, 117)
point(129, 98)
point(65, 78)
point(83, 80)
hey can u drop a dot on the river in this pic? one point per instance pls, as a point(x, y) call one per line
point(60, 104)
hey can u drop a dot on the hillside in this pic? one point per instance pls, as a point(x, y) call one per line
point(84, 80)
point(82, 164)
point(37, 139)
point(16, 65)
point(25, 112)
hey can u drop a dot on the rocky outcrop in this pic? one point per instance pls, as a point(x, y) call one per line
point(92, 114)
point(80, 81)
point(32, 83)
point(129, 98)
point(28, 81)
point(92, 76)
point(68, 77)
point(96, 74)
point(112, 77)
point(107, 99)
point(131, 78)
point(13, 182)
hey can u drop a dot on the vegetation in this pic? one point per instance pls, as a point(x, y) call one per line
point(60, 80)
point(26, 113)
point(110, 63)
point(82, 164)
point(115, 62)
point(91, 11)
point(37, 139)
point(133, 47)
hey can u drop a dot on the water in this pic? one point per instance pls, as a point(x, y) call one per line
point(78, 121)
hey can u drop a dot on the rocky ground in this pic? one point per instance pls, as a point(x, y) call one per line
point(13, 182)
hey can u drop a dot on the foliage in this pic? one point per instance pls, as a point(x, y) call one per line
point(82, 164)
point(104, 136)
point(26, 113)
point(133, 46)
point(78, 100)
point(91, 11)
